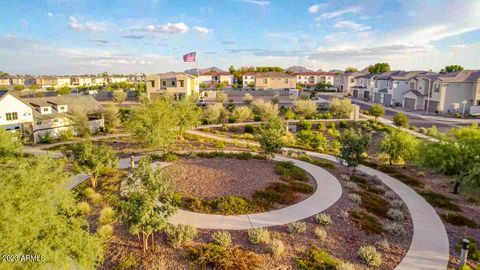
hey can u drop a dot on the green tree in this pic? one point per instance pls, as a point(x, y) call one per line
point(341, 108)
point(399, 146)
point(79, 120)
point(203, 86)
point(243, 113)
point(18, 87)
point(119, 96)
point(270, 136)
point(451, 68)
point(379, 68)
point(232, 69)
point(350, 70)
point(456, 154)
point(289, 114)
point(110, 117)
point(64, 90)
point(140, 209)
point(94, 160)
point(188, 114)
point(39, 216)
point(376, 110)
point(9, 143)
point(153, 124)
point(354, 144)
point(305, 108)
point(401, 120)
point(311, 139)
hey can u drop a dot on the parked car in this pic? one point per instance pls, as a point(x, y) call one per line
point(201, 103)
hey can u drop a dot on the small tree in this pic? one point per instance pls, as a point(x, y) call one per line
point(270, 136)
point(451, 68)
point(401, 120)
point(242, 113)
point(341, 108)
point(305, 108)
point(18, 87)
point(266, 110)
point(119, 96)
point(34, 87)
point(9, 143)
point(94, 160)
point(110, 117)
point(248, 98)
point(289, 114)
point(399, 146)
point(79, 120)
point(64, 90)
point(188, 115)
point(213, 112)
point(350, 70)
point(379, 68)
point(220, 97)
point(376, 110)
point(354, 144)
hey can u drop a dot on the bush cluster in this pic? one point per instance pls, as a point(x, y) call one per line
point(324, 219)
point(370, 256)
point(212, 256)
point(179, 235)
point(297, 227)
point(258, 236)
point(222, 238)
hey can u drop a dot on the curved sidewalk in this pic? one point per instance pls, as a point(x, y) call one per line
point(429, 249)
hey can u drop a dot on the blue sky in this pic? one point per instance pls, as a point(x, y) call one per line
point(84, 36)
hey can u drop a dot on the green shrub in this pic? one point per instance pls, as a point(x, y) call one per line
point(440, 201)
point(231, 205)
point(289, 172)
point(343, 124)
point(370, 224)
point(105, 232)
point(395, 229)
point(301, 187)
point(306, 125)
point(248, 129)
point(355, 198)
point(370, 256)
point(320, 233)
point(128, 263)
point(397, 204)
point(324, 219)
point(222, 238)
point(95, 198)
point(374, 203)
point(458, 220)
point(179, 235)
point(107, 215)
point(83, 208)
point(46, 138)
point(66, 135)
point(321, 126)
point(276, 247)
point(395, 214)
point(315, 258)
point(170, 157)
point(258, 236)
point(473, 252)
point(211, 256)
point(383, 245)
point(401, 120)
point(345, 266)
point(88, 191)
point(297, 227)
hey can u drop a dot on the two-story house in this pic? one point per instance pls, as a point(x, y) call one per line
point(275, 81)
point(5, 81)
point(46, 81)
point(83, 80)
point(345, 81)
point(390, 86)
point(248, 79)
point(311, 79)
point(14, 114)
point(63, 81)
point(116, 79)
point(364, 87)
point(212, 78)
point(178, 84)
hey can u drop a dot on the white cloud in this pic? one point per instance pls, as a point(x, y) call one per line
point(50, 14)
point(202, 30)
point(168, 28)
point(316, 8)
point(338, 13)
point(349, 25)
point(75, 25)
point(256, 2)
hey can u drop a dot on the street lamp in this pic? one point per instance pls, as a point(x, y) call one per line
point(464, 102)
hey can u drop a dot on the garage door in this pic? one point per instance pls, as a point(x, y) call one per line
point(387, 99)
point(432, 105)
point(366, 95)
point(409, 103)
point(378, 98)
point(355, 93)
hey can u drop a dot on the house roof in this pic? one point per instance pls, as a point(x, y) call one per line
point(366, 76)
point(274, 75)
point(213, 73)
point(250, 73)
point(173, 75)
point(383, 90)
point(413, 91)
point(460, 76)
point(313, 73)
point(3, 93)
point(85, 103)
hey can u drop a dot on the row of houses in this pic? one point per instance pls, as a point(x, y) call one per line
point(71, 81)
point(36, 118)
point(421, 90)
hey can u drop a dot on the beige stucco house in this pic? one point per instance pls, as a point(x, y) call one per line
point(178, 84)
point(275, 81)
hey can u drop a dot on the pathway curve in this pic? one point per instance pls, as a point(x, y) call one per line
point(429, 249)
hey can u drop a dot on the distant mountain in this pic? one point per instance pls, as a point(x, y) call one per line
point(336, 71)
point(193, 71)
point(293, 69)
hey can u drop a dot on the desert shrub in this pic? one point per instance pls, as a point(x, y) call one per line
point(383, 245)
point(370, 224)
point(343, 124)
point(422, 130)
point(351, 186)
point(258, 236)
point(107, 215)
point(316, 258)
point(179, 235)
point(397, 204)
point(301, 187)
point(390, 195)
point(306, 125)
point(473, 252)
point(321, 126)
point(345, 177)
point(421, 174)
point(276, 247)
point(401, 120)
point(231, 205)
point(370, 256)
point(440, 201)
point(288, 171)
point(458, 220)
point(355, 198)
point(127, 263)
point(345, 266)
point(320, 233)
point(66, 135)
point(297, 227)
point(211, 256)
point(395, 229)
point(222, 238)
point(170, 157)
point(395, 214)
point(83, 208)
point(88, 191)
point(46, 138)
point(95, 198)
point(248, 129)
point(374, 203)
point(105, 232)
point(343, 214)
point(324, 219)
point(376, 180)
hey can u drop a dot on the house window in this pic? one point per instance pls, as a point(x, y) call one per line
point(264, 80)
point(45, 109)
point(11, 116)
point(55, 120)
point(39, 123)
point(181, 83)
point(164, 83)
point(62, 108)
point(153, 84)
point(173, 83)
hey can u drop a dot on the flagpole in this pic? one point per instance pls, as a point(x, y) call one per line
point(198, 67)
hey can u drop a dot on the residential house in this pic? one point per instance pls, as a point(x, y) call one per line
point(4, 81)
point(311, 79)
point(46, 81)
point(213, 78)
point(99, 80)
point(275, 81)
point(445, 93)
point(83, 80)
point(63, 81)
point(116, 79)
point(364, 86)
point(23, 80)
point(14, 114)
point(178, 84)
point(390, 86)
point(53, 115)
point(248, 79)
point(345, 81)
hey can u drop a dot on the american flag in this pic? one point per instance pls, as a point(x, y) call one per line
point(190, 57)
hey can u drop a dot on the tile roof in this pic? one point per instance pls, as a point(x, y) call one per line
point(461, 76)
point(85, 103)
point(274, 75)
point(173, 75)
point(213, 73)
point(415, 92)
point(313, 73)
